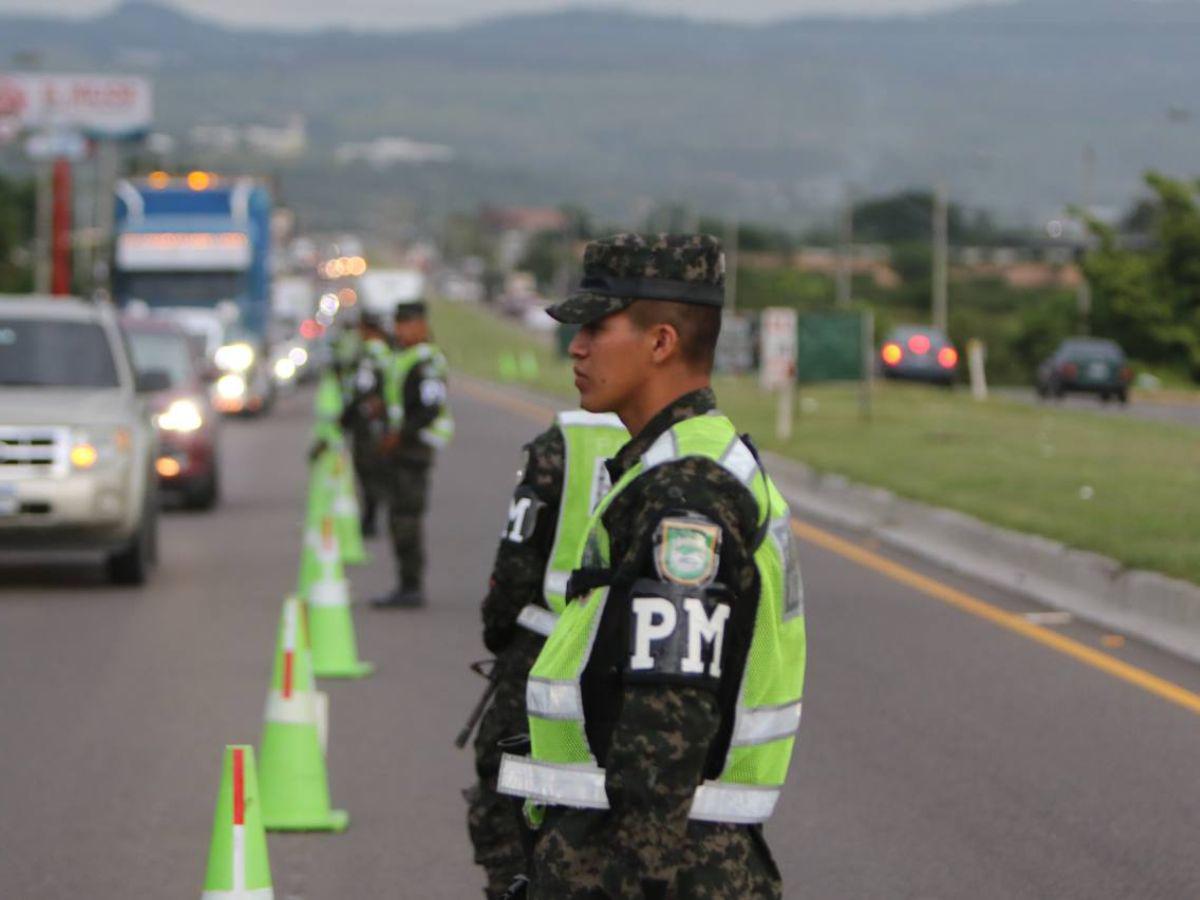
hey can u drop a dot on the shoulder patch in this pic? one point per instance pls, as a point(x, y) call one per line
point(687, 550)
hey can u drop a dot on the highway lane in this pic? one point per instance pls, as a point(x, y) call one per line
point(940, 756)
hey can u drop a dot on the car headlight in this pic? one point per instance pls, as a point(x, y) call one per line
point(231, 387)
point(234, 357)
point(285, 369)
point(298, 356)
point(183, 416)
point(98, 447)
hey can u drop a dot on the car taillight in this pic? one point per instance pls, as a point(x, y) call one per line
point(891, 354)
point(1069, 370)
point(947, 357)
point(919, 344)
point(1126, 374)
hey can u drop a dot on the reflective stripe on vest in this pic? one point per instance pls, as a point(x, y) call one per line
point(582, 786)
point(768, 708)
point(536, 619)
point(590, 439)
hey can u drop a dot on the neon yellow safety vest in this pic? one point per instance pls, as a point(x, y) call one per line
point(562, 770)
point(590, 439)
point(440, 431)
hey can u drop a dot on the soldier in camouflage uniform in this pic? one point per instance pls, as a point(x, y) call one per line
point(649, 311)
point(365, 416)
point(517, 578)
point(418, 425)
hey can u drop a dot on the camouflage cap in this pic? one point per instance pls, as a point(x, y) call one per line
point(685, 268)
point(409, 309)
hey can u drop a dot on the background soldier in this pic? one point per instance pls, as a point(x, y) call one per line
point(419, 424)
point(543, 530)
point(663, 707)
point(365, 416)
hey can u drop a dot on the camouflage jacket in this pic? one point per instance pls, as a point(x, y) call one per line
point(663, 738)
point(525, 546)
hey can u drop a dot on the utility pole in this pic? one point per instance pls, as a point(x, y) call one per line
point(941, 254)
point(1083, 297)
point(844, 271)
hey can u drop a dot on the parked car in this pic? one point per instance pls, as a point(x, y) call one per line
point(188, 426)
point(918, 353)
point(77, 447)
point(1086, 365)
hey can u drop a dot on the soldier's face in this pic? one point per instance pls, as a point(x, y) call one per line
point(610, 360)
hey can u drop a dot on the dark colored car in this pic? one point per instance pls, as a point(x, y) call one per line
point(918, 353)
point(1086, 365)
point(183, 414)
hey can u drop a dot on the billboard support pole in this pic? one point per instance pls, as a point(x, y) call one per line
point(60, 253)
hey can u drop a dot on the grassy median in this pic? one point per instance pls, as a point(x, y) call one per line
point(1123, 487)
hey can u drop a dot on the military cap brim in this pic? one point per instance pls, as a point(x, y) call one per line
point(601, 296)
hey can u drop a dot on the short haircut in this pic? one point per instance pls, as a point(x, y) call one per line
point(698, 327)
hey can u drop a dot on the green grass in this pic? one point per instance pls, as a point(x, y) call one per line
point(1126, 488)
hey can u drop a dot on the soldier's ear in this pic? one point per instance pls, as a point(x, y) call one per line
point(665, 342)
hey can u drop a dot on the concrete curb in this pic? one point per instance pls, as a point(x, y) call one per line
point(1159, 610)
point(1150, 606)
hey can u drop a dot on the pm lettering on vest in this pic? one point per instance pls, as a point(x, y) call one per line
point(674, 637)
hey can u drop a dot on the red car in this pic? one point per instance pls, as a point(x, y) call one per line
point(187, 424)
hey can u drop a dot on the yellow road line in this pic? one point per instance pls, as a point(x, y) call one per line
point(1013, 622)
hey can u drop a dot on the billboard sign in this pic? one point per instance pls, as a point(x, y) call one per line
point(99, 106)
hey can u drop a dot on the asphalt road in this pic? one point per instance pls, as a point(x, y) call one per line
point(940, 756)
point(1151, 410)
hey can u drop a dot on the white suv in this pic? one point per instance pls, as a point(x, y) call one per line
point(77, 446)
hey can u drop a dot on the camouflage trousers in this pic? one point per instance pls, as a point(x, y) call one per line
point(718, 862)
point(369, 466)
point(407, 498)
point(493, 820)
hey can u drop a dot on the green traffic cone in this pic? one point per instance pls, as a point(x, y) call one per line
point(508, 366)
point(331, 627)
point(238, 868)
point(347, 518)
point(295, 788)
point(529, 366)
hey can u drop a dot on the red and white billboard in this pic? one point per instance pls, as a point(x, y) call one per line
point(96, 105)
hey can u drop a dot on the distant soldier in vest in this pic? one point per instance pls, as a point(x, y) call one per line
point(365, 416)
point(663, 707)
point(419, 424)
point(561, 479)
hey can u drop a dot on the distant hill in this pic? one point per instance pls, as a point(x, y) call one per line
point(608, 108)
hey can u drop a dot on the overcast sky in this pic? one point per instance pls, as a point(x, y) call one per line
point(416, 13)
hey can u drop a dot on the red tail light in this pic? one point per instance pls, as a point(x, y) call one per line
point(947, 357)
point(1126, 374)
point(919, 344)
point(1069, 370)
point(891, 354)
